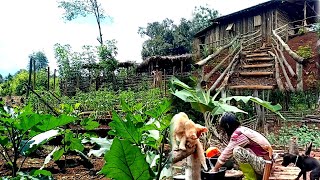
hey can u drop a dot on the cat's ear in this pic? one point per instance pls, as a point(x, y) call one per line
point(201, 129)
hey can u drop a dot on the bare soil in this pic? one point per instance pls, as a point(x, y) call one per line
point(310, 70)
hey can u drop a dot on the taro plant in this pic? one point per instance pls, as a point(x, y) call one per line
point(24, 131)
point(210, 106)
point(137, 150)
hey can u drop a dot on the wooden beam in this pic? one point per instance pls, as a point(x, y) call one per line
point(226, 79)
point(207, 59)
point(251, 87)
point(260, 59)
point(284, 72)
point(255, 73)
point(225, 71)
point(294, 55)
point(278, 79)
point(207, 76)
point(292, 73)
point(257, 55)
point(257, 66)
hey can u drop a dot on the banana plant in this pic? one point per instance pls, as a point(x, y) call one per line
point(210, 106)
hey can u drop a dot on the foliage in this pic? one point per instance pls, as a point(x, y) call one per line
point(305, 135)
point(301, 31)
point(21, 133)
point(40, 59)
point(75, 8)
point(138, 136)
point(305, 51)
point(105, 100)
point(202, 101)
point(167, 38)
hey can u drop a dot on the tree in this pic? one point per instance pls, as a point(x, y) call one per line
point(201, 18)
point(166, 38)
point(41, 60)
point(75, 8)
point(1, 79)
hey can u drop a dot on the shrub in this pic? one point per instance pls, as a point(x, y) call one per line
point(305, 51)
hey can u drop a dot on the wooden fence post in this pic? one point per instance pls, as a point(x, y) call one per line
point(165, 82)
point(34, 74)
point(54, 80)
point(48, 87)
point(30, 74)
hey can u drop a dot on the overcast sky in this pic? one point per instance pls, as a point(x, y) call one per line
point(36, 25)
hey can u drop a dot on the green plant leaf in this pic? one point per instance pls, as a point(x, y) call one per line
point(4, 140)
point(160, 110)
point(126, 162)
point(89, 124)
point(125, 129)
point(40, 172)
point(57, 154)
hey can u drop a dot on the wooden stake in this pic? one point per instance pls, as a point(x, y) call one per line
point(54, 80)
point(48, 80)
point(34, 74)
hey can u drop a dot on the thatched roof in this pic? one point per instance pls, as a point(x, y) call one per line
point(127, 64)
point(166, 59)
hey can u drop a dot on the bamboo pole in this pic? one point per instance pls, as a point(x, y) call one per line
point(207, 59)
point(226, 79)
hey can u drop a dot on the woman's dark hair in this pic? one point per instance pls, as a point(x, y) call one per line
point(229, 123)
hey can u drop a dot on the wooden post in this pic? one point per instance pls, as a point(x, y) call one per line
point(54, 80)
point(173, 69)
point(48, 86)
point(181, 63)
point(305, 15)
point(30, 74)
point(34, 74)
point(299, 69)
point(258, 110)
point(165, 82)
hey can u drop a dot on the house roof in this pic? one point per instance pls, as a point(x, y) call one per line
point(255, 8)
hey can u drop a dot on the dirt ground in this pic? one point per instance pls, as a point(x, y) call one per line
point(310, 69)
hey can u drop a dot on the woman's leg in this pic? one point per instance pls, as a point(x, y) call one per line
point(242, 155)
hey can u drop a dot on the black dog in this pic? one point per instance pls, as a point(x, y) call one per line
point(305, 163)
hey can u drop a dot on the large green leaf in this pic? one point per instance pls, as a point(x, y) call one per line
point(125, 161)
point(52, 122)
point(160, 110)
point(273, 108)
point(28, 121)
point(223, 107)
point(125, 129)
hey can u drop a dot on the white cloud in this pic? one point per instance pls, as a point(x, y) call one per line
point(33, 25)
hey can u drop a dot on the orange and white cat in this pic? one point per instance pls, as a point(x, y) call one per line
point(187, 133)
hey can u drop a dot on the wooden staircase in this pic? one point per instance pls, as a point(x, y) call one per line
point(255, 71)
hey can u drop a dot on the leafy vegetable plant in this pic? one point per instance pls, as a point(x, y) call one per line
point(24, 131)
point(137, 151)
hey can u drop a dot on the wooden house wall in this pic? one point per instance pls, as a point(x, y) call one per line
point(242, 25)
